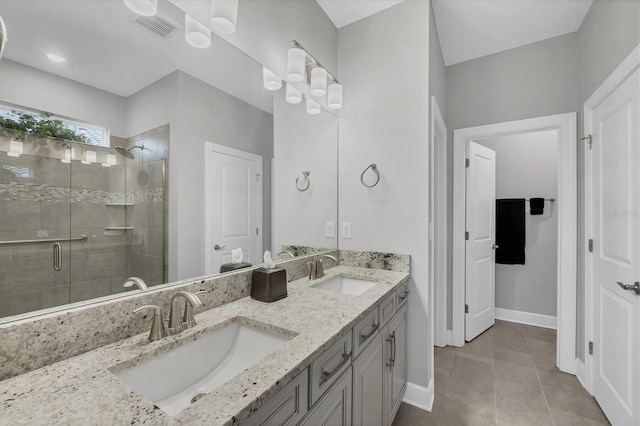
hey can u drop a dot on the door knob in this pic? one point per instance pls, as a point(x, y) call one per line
point(217, 247)
point(635, 287)
point(495, 246)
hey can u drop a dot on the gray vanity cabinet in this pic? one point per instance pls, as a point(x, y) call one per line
point(395, 363)
point(335, 406)
point(368, 385)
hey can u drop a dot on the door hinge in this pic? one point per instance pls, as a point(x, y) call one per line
point(258, 177)
point(257, 231)
point(590, 348)
point(466, 235)
point(466, 309)
point(588, 138)
point(467, 163)
point(591, 245)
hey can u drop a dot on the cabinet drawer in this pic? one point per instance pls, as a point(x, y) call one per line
point(365, 331)
point(387, 309)
point(402, 294)
point(287, 407)
point(327, 367)
point(335, 407)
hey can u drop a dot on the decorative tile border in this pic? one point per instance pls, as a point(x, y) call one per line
point(55, 194)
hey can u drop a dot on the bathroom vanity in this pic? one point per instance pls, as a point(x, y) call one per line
point(336, 356)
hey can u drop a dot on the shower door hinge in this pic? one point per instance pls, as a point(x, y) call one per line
point(591, 245)
point(466, 235)
point(589, 138)
point(590, 348)
point(466, 309)
point(467, 163)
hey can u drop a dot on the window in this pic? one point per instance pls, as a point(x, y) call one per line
point(85, 133)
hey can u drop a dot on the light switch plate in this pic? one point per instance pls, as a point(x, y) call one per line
point(346, 229)
point(329, 229)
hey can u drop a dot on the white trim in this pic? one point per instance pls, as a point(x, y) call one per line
point(580, 372)
point(529, 318)
point(419, 396)
point(438, 213)
point(208, 147)
point(566, 125)
point(617, 77)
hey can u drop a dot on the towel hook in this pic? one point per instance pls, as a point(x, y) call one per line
point(373, 167)
point(306, 174)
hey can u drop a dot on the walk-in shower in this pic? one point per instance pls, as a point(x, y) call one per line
point(78, 219)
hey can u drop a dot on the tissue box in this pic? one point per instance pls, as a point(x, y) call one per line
point(268, 285)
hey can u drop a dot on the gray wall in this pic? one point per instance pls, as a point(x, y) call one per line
point(26, 86)
point(527, 166)
point(384, 66)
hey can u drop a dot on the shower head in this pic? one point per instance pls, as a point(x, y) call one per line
point(127, 152)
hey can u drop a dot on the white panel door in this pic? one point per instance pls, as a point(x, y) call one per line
point(232, 207)
point(480, 294)
point(615, 160)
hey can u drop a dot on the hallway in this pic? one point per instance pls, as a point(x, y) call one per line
point(506, 376)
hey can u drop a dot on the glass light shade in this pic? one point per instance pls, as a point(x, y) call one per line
point(295, 64)
point(143, 7)
point(270, 80)
point(196, 34)
point(318, 81)
point(224, 16)
point(313, 107)
point(15, 149)
point(334, 100)
point(294, 96)
point(89, 157)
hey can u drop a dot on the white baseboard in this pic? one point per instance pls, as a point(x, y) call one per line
point(545, 321)
point(419, 396)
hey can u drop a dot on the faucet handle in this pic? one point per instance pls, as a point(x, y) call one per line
point(312, 270)
point(157, 326)
point(188, 318)
point(320, 264)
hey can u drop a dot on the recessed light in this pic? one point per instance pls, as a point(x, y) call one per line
point(55, 58)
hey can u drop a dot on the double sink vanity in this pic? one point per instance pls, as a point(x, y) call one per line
point(332, 352)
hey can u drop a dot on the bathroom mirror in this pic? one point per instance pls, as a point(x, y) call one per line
point(154, 159)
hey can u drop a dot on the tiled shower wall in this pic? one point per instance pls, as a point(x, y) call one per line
point(42, 197)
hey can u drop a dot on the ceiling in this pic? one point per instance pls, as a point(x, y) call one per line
point(470, 29)
point(345, 12)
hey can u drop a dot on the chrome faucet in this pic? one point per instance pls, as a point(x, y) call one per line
point(138, 282)
point(286, 252)
point(177, 324)
point(320, 264)
point(157, 326)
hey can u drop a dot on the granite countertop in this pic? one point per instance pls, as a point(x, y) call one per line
point(83, 390)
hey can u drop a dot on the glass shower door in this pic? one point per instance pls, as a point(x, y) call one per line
point(34, 223)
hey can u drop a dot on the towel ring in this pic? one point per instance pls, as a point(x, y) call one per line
point(306, 174)
point(375, 170)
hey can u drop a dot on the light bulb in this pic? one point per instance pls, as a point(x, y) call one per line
point(318, 81)
point(295, 64)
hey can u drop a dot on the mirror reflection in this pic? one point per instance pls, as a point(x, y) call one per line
point(125, 151)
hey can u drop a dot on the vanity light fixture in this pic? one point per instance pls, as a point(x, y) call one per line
point(54, 57)
point(15, 149)
point(143, 7)
point(318, 81)
point(296, 63)
point(197, 35)
point(294, 96)
point(270, 79)
point(69, 154)
point(313, 107)
point(224, 16)
point(89, 157)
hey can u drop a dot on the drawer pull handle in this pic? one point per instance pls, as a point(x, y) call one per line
point(406, 293)
point(391, 361)
point(364, 337)
point(326, 375)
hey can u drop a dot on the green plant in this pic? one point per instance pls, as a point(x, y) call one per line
point(43, 125)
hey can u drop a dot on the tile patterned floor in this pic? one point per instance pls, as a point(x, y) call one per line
point(504, 377)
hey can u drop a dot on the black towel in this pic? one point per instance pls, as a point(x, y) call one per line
point(510, 231)
point(536, 205)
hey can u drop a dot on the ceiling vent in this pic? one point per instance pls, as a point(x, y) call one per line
point(157, 25)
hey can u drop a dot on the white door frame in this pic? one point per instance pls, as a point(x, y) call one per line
point(438, 225)
point(208, 244)
point(566, 125)
point(621, 73)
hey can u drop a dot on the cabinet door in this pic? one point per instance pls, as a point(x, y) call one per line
point(286, 407)
point(334, 409)
point(368, 385)
point(395, 353)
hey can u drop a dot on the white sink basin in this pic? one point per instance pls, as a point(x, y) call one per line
point(346, 285)
point(175, 379)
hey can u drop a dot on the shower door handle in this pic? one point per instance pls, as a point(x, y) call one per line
point(57, 256)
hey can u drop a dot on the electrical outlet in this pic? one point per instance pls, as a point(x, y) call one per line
point(329, 229)
point(346, 229)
